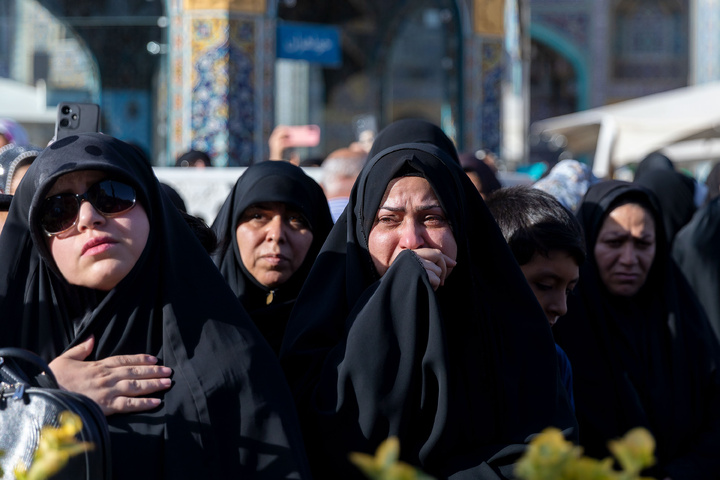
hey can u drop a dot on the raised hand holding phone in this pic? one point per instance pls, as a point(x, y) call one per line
point(74, 118)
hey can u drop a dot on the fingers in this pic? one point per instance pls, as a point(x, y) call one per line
point(138, 388)
point(134, 381)
point(117, 384)
point(80, 351)
point(437, 265)
point(129, 396)
point(130, 405)
point(128, 360)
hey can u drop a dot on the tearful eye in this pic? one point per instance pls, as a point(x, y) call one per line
point(437, 220)
point(387, 219)
point(298, 221)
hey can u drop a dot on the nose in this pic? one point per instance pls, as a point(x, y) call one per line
point(275, 230)
point(557, 307)
point(627, 254)
point(411, 235)
point(88, 217)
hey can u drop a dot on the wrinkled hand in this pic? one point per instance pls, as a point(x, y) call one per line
point(114, 383)
point(437, 265)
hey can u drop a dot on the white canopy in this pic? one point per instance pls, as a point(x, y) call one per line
point(27, 105)
point(626, 132)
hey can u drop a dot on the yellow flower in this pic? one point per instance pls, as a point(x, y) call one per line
point(55, 448)
point(586, 468)
point(547, 456)
point(385, 465)
point(634, 451)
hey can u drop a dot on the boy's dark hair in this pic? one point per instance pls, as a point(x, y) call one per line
point(532, 220)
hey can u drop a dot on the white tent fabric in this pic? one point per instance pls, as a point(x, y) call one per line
point(25, 103)
point(626, 132)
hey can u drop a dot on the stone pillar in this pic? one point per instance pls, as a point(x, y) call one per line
point(221, 72)
point(483, 75)
point(705, 41)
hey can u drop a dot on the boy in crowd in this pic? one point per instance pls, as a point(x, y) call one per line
point(548, 244)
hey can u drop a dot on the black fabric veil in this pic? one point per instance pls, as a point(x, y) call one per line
point(229, 413)
point(648, 360)
point(462, 376)
point(697, 252)
point(413, 130)
point(675, 194)
point(269, 181)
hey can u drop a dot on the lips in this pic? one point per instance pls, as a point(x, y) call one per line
point(274, 258)
point(626, 277)
point(97, 245)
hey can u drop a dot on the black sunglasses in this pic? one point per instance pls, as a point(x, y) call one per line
point(109, 197)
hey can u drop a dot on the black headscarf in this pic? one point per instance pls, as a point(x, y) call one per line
point(229, 413)
point(652, 162)
point(648, 360)
point(675, 194)
point(462, 376)
point(488, 179)
point(413, 130)
point(13, 157)
point(5, 201)
point(713, 183)
point(269, 181)
point(697, 252)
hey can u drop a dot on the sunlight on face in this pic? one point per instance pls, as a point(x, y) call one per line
point(273, 239)
point(409, 217)
point(625, 249)
point(99, 251)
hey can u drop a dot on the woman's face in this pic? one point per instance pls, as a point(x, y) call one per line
point(625, 249)
point(98, 251)
point(273, 239)
point(409, 217)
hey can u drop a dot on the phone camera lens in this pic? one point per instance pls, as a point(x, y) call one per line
point(64, 122)
point(65, 110)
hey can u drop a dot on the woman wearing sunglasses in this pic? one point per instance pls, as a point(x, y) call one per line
point(101, 276)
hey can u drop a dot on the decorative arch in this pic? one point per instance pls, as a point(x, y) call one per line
point(569, 51)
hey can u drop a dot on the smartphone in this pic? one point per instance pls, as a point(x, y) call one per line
point(74, 118)
point(303, 136)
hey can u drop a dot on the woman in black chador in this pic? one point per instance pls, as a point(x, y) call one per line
point(641, 348)
point(696, 250)
point(416, 321)
point(270, 229)
point(101, 276)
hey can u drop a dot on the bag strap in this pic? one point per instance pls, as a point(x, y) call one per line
point(30, 358)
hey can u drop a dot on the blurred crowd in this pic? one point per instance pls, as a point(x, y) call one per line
point(408, 293)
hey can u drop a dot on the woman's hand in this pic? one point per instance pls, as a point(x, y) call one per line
point(114, 383)
point(437, 265)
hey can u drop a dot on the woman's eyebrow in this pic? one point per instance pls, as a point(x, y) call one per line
point(431, 206)
point(419, 208)
point(392, 209)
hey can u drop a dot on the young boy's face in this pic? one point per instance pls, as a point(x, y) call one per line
point(552, 278)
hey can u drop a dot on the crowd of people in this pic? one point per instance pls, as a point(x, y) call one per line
point(407, 294)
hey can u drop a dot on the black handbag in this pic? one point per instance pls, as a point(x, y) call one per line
point(25, 407)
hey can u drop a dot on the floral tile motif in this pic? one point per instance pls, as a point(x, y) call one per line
point(492, 69)
point(241, 95)
point(210, 80)
point(223, 94)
